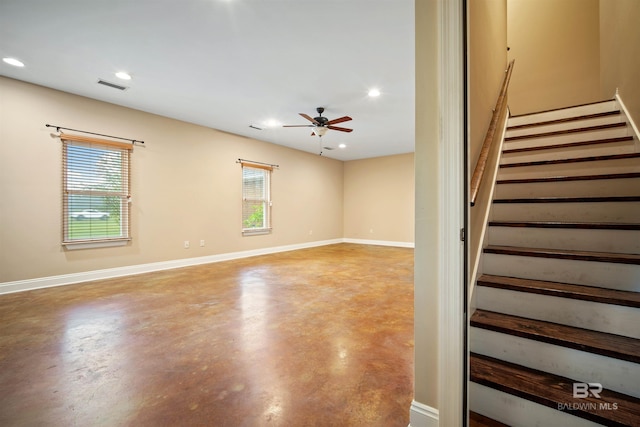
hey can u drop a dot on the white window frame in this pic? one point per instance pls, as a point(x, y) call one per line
point(250, 199)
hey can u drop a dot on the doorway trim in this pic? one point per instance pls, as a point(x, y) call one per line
point(451, 283)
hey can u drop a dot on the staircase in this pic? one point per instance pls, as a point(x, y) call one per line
point(558, 303)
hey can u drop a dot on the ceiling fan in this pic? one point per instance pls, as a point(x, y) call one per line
point(320, 124)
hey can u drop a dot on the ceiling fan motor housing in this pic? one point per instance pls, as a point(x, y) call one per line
point(322, 120)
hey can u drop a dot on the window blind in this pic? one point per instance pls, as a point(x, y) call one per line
point(96, 190)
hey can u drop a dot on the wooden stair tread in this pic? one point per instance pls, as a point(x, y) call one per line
point(565, 132)
point(554, 391)
point(566, 120)
point(617, 258)
point(572, 160)
point(572, 225)
point(602, 343)
point(567, 178)
point(561, 199)
point(568, 145)
point(479, 420)
point(563, 290)
point(533, 113)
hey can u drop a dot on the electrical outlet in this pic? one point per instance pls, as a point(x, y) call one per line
point(202, 243)
point(186, 244)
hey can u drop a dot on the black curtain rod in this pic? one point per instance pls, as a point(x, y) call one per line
point(133, 141)
point(257, 163)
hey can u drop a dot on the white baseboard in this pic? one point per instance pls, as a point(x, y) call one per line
point(87, 276)
point(423, 416)
point(627, 116)
point(380, 243)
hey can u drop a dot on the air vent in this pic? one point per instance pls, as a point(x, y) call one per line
point(328, 148)
point(113, 85)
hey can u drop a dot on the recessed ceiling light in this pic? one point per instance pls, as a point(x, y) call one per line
point(122, 75)
point(374, 92)
point(272, 123)
point(342, 145)
point(14, 62)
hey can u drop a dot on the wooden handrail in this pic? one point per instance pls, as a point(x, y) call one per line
point(478, 172)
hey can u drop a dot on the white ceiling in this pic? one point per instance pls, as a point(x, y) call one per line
point(229, 64)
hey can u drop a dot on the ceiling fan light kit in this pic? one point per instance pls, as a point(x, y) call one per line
point(319, 130)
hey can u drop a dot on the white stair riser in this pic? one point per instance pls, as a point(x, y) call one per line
point(582, 110)
point(568, 153)
point(572, 169)
point(575, 124)
point(565, 138)
point(609, 318)
point(599, 187)
point(613, 374)
point(516, 411)
point(615, 241)
point(624, 277)
point(579, 212)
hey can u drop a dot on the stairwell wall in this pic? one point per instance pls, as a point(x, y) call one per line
point(487, 56)
point(620, 52)
point(556, 45)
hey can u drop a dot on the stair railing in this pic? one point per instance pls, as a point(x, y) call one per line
point(501, 104)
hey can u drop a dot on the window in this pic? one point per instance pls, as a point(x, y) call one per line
point(256, 199)
point(95, 194)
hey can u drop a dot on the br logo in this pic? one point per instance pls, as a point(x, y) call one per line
point(582, 390)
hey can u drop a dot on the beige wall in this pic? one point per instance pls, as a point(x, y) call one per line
point(379, 198)
point(186, 185)
point(556, 47)
point(620, 52)
point(426, 270)
point(487, 62)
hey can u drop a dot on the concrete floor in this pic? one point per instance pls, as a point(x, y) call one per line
point(316, 337)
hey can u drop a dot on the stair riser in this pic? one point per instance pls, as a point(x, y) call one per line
point(624, 277)
point(565, 138)
point(571, 169)
point(601, 107)
point(515, 411)
point(566, 125)
point(628, 212)
point(615, 241)
point(568, 153)
point(609, 318)
point(613, 374)
point(600, 187)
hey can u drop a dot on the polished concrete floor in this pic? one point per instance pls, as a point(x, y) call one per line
point(315, 337)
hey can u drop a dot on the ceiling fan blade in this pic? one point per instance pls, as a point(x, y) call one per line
point(339, 120)
point(297, 126)
point(340, 129)
point(308, 117)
